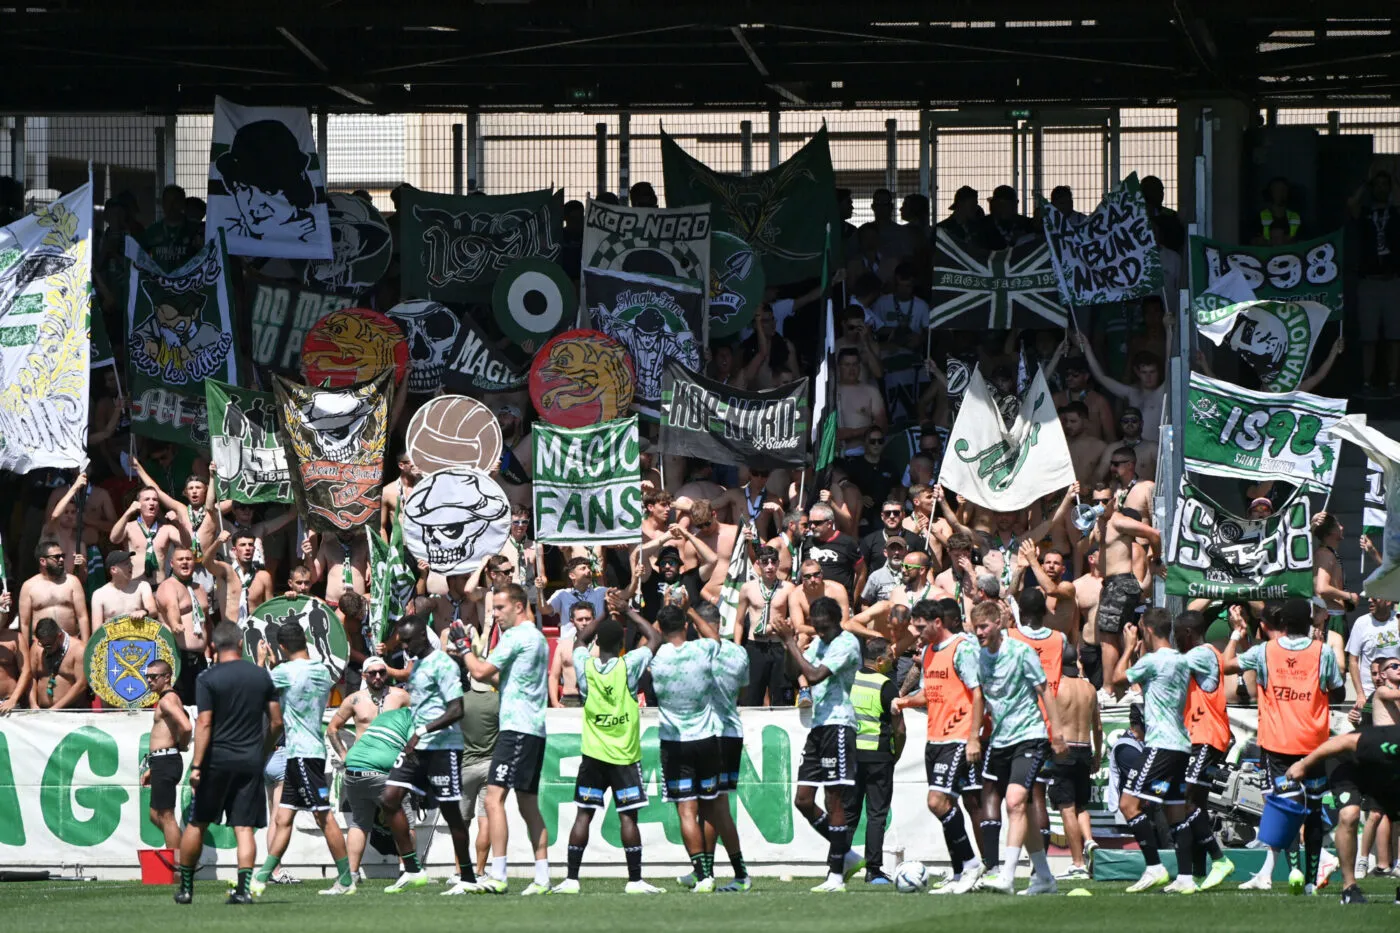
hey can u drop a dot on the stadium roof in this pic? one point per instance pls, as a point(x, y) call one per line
point(417, 55)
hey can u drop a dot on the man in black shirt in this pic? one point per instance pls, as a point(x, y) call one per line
point(872, 546)
point(238, 712)
point(838, 553)
point(873, 477)
point(1004, 226)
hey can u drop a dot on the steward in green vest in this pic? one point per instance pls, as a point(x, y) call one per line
point(612, 742)
point(879, 740)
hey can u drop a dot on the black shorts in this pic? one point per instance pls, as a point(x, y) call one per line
point(690, 770)
point(232, 798)
point(166, 772)
point(1160, 776)
point(1276, 765)
point(1091, 659)
point(1072, 780)
point(435, 773)
point(731, 755)
point(829, 757)
point(1204, 765)
point(305, 787)
point(1118, 601)
point(596, 778)
point(517, 762)
point(947, 768)
point(1016, 764)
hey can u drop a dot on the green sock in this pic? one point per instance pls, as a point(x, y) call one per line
point(187, 878)
point(1292, 854)
point(411, 862)
point(342, 865)
point(244, 876)
point(268, 867)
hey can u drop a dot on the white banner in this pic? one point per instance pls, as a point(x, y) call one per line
point(1384, 581)
point(1006, 470)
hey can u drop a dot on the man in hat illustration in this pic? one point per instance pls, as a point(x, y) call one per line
point(266, 174)
point(174, 343)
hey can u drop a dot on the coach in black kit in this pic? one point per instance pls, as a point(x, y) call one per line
point(238, 716)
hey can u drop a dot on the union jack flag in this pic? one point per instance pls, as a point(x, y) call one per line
point(978, 289)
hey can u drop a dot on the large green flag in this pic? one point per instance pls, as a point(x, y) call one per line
point(391, 578)
point(1216, 555)
point(783, 213)
point(587, 483)
point(1306, 271)
point(247, 450)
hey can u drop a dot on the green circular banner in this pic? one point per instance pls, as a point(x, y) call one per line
point(118, 654)
point(325, 636)
point(736, 284)
point(534, 299)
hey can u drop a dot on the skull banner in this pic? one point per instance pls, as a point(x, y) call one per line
point(455, 519)
point(248, 455)
point(335, 448)
point(431, 330)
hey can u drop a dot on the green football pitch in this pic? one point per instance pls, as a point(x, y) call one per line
point(772, 906)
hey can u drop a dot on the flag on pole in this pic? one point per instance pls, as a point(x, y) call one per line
point(391, 579)
point(740, 572)
point(824, 390)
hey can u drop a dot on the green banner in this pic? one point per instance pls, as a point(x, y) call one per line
point(1307, 271)
point(1216, 555)
point(1262, 435)
point(783, 213)
point(247, 450)
point(588, 483)
point(391, 578)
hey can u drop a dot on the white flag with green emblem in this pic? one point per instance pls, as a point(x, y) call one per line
point(1006, 469)
point(1276, 338)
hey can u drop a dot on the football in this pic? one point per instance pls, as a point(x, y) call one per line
point(452, 431)
point(911, 878)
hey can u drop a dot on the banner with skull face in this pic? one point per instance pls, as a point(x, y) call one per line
point(335, 449)
point(667, 241)
point(361, 247)
point(248, 454)
point(1276, 338)
point(1212, 554)
point(181, 333)
point(267, 192)
point(431, 330)
point(455, 519)
point(454, 247)
point(658, 320)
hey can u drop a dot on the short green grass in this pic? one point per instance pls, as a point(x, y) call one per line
point(773, 907)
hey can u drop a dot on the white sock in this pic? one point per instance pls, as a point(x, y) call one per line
point(834, 878)
point(1267, 870)
point(1010, 855)
point(498, 868)
point(542, 871)
point(1040, 865)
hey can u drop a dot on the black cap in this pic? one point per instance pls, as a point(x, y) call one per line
point(1004, 193)
point(117, 557)
point(963, 193)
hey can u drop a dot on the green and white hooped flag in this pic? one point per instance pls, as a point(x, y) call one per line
point(1215, 555)
point(1285, 436)
point(1276, 338)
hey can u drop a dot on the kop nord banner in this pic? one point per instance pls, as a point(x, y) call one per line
point(1109, 255)
point(335, 449)
point(783, 213)
point(588, 484)
point(281, 314)
point(267, 192)
point(669, 241)
point(181, 333)
point(658, 320)
point(1262, 435)
point(978, 289)
point(1276, 338)
point(245, 444)
point(1384, 581)
point(1307, 271)
point(45, 295)
point(1216, 555)
point(707, 419)
point(454, 247)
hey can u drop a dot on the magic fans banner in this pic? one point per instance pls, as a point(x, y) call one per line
point(267, 192)
point(658, 320)
point(1109, 255)
point(335, 449)
point(783, 213)
point(671, 241)
point(1384, 581)
point(281, 314)
point(1262, 435)
point(181, 333)
point(709, 420)
point(247, 450)
point(477, 365)
point(587, 484)
point(453, 247)
point(45, 294)
point(1212, 554)
point(1276, 338)
point(1306, 271)
point(978, 289)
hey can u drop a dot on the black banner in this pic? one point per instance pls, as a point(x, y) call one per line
point(476, 364)
point(280, 313)
point(704, 418)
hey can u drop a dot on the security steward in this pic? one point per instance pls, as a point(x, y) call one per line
point(879, 740)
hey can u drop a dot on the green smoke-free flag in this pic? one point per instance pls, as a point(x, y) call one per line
point(391, 578)
point(248, 453)
point(783, 213)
